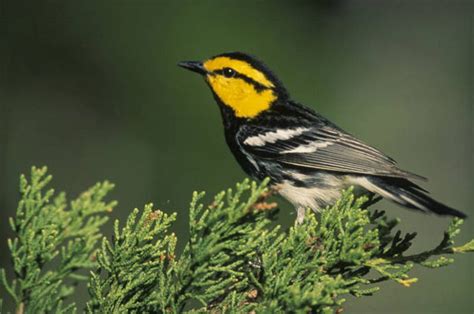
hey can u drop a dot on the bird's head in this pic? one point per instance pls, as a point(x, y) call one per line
point(241, 82)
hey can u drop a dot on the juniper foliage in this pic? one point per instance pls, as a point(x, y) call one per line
point(235, 260)
point(52, 242)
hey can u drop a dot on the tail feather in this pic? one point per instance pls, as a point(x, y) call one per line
point(407, 194)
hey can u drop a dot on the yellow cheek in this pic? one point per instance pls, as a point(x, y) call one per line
point(241, 96)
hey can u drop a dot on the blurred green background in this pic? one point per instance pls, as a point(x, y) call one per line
point(91, 89)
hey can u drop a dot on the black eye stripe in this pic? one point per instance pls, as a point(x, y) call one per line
point(258, 87)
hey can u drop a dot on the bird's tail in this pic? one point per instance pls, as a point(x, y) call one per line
point(408, 194)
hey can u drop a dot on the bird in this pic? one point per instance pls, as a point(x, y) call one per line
point(308, 159)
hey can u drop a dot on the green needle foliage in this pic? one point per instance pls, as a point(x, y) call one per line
point(235, 260)
point(52, 242)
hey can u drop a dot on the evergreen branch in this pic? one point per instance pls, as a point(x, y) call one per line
point(235, 260)
point(47, 232)
point(131, 265)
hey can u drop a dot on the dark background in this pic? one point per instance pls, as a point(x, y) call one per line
point(91, 89)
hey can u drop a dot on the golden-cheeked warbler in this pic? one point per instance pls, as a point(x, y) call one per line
point(308, 159)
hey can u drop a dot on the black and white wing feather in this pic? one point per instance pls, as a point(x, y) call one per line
point(321, 147)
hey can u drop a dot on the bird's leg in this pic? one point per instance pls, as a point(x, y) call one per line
point(300, 213)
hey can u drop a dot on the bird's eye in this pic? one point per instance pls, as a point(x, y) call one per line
point(228, 72)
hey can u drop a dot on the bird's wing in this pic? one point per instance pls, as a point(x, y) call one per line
point(323, 147)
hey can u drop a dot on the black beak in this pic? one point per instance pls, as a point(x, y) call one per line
point(195, 66)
